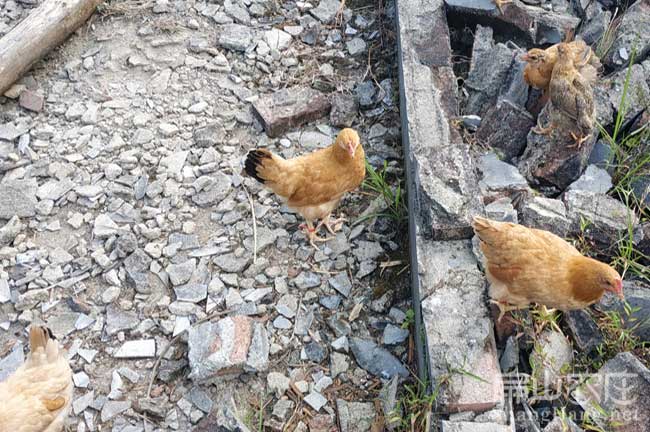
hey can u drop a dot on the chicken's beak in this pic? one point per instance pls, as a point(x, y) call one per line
point(352, 149)
point(526, 57)
point(619, 290)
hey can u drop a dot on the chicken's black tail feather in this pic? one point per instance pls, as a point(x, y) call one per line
point(255, 159)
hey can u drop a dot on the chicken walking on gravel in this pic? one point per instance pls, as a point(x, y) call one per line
point(313, 184)
point(38, 396)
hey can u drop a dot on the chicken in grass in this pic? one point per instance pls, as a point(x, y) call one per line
point(313, 184)
point(38, 396)
point(525, 265)
point(540, 63)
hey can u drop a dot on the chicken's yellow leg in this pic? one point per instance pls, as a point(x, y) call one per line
point(579, 140)
point(331, 226)
point(505, 307)
point(311, 234)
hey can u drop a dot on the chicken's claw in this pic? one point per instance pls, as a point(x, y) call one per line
point(500, 4)
point(539, 130)
point(312, 237)
point(579, 140)
point(331, 226)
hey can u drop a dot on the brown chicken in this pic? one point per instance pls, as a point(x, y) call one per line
point(537, 72)
point(526, 265)
point(38, 396)
point(313, 184)
point(572, 98)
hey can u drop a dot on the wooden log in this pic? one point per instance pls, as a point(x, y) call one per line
point(45, 28)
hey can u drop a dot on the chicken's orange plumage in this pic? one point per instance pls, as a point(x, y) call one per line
point(38, 396)
point(526, 265)
point(312, 184)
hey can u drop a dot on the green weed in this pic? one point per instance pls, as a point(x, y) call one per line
point(414, 408)
point(409, 320)
point(376, 181)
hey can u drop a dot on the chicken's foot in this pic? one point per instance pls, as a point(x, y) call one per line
point(500, 4)
point(579, 140)
point(539, 130)
point(310, 231)
point(331, 226)
point(505, 307)
point(339, 14)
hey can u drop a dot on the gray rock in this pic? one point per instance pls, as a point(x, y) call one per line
point(627, 378)
point(304, 319)
point(376, 360)
point(584, 330)
point(547, 214)
point(283, 409)
point(235, 37)
point(137, 271)
point(330, 302)
point(226, 347)
point(277, 383)
point(356, 46)
point(338, 364)
point(607, 217)
point(238, 13)
point(550, 161)
point(315, 352)
point(344, 110)
point(367, 251)
point(562, 424)
point(632, 32)
point(355, 416)
point(510, 357)
point(191, 292)
point(10, 230)
point(341, 283)
point(326, 10)
point(638, 93)
point(594, 179)
point(491, 63)
point(112, 408)
point(466, 426)
point(551, 355)
point(211, 189)
point(181, 273)
point(137, 349)
point(282, 323)
point(505, 127)
point(104, 226)
point(394, 335)
point(229, 263)
point(315, 400)
point(638, 298)
point(501, 210)
point(499, 178)
point(365, 93)
point(18, 198)
point(306, 280)
point(118, 320)
point(12, 361)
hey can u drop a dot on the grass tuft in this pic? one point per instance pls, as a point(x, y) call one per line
point(376, 181)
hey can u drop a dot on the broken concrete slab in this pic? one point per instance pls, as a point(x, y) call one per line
point(464, 426)
point(443, 183)
point(620, 391)
point(458, 328)
point(538, 25)
point(227, 347)
point(290, 108)
point(18, 198)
